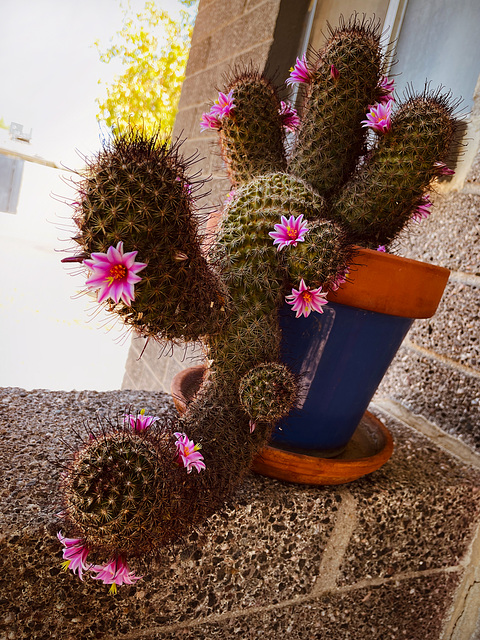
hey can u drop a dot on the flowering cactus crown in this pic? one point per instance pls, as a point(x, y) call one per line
point(358, 173)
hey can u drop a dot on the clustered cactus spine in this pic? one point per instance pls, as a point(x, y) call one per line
point(137, 189)
point(137, 192)
point(250, 145)
point(343, 82)
point(379, 200)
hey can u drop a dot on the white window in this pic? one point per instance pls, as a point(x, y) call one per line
point(438, 41)
point(11, 170)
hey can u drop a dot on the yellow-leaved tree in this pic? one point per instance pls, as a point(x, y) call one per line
point(152, 49)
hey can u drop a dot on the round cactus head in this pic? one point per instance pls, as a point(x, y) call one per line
point(116, 490)
point(268, 392)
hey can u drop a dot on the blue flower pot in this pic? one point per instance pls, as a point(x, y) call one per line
point(342, 355)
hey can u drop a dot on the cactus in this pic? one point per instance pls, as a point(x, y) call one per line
point(343, 82)
point(379, 200)
point(136, 190)
point(128, 492)
point(252, 146)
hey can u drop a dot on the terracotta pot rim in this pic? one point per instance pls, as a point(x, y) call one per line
point(393, 285)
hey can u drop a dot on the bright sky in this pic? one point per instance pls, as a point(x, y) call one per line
point(50, 69)
point(49, 83)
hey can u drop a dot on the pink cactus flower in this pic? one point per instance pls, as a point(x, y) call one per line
point(305, 300)
point(116, 572)
point(188, 453)
point(186, 186)
point(379, 117)
point(381, 247)
point(114, 274)
point(289, 115)
point(140, 422)
point(223, 105)
point(230, 197)
point(443, 170)
point(387, 87)
point(300, 73)
point(423, 210)
point(252, 425)
point(289, 232)
point(209, 121)
point(340, 279)
point(75, 554)
point(334, 72)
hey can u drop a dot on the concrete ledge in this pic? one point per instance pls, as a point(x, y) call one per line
point(387, 557)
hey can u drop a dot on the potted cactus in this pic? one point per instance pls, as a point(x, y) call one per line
point(289, 233)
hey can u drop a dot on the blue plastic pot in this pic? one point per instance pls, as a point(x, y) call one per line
point(343, 354)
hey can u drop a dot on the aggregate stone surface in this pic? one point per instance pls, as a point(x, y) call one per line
point(449, 237)
point(446, 397)
point(413, 515)
point(411, 609)
point(451, 333)
point(253, 565)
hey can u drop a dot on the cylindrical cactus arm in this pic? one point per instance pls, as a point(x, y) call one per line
point(384, 194)
point(136, 191)
point(251, 133)
point(343, 81)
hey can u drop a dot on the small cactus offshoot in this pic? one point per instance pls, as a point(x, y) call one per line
point(268, 393)
point(359, 172)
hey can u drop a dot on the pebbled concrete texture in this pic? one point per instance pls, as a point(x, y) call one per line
point(394, 504)
point(449, 333)
point(410, 609)
point(450, 236)
point(448, 397)
point(379, 558)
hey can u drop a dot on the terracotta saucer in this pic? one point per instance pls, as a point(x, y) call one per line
point(370, 447)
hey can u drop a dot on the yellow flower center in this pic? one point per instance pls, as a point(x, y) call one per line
point(307, 296)
point(291, 233)
point(186, 451)
point(117, 272)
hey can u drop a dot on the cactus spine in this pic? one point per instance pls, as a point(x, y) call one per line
point(379, 200)
point(251, 145)
point(136, 189)
point(344, 82)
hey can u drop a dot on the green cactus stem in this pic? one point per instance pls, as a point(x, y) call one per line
point(115, 491)
point(268, 393)
point(331, 138)
point(382, 196)
point(136, 191)
point(252, 137)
